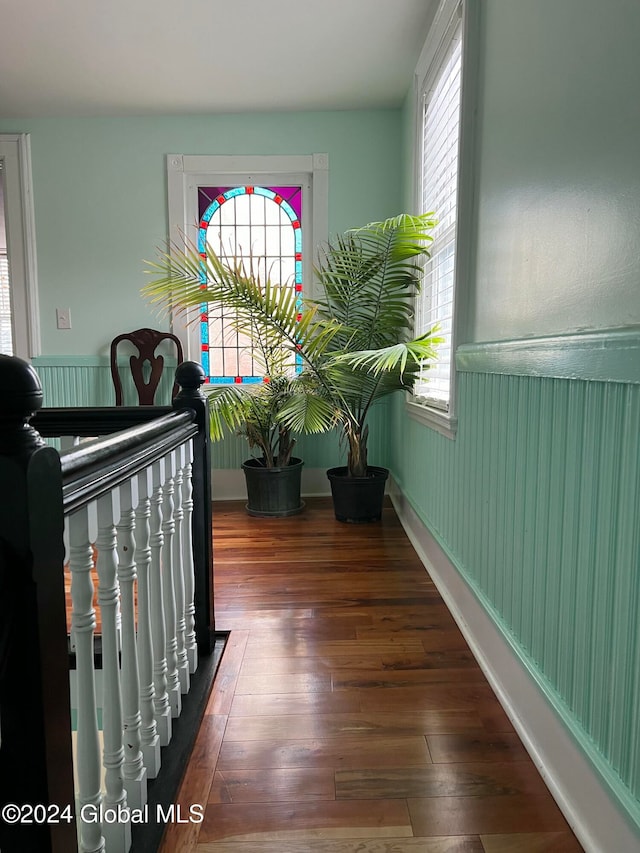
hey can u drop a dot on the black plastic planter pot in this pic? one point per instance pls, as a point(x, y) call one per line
point(273, 491)
point(358, 500)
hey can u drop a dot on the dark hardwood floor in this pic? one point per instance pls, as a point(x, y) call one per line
point(348, 714)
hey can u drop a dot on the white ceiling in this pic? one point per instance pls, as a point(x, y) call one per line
point(152, 57)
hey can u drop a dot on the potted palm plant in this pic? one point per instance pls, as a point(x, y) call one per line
point(355, 341)
point(273, 476)
point(368, 278)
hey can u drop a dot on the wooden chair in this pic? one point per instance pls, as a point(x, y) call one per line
point(146, 342)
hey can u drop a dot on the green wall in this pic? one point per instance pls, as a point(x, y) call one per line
point(558, 176)
point(100, 199)
point(101, 209)
point(536, 500)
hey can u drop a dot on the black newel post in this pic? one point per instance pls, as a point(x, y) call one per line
point(35, 717)
point(190, 376)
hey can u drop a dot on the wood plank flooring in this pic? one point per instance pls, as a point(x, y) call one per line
point(348, 714)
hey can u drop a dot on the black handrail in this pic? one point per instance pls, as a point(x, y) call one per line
point(97, 420)
point(94, 468)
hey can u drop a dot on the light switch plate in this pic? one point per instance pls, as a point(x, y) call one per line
point(63, 318)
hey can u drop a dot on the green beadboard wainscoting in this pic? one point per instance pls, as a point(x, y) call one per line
point(537, 504)
point(77, 380)
point(317, 451)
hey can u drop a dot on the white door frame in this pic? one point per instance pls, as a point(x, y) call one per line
point(185, 172)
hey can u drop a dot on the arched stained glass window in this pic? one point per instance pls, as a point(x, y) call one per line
point(238, 221)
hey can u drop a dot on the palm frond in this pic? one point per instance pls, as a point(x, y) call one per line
point(369, 276)
point(396, 356)
point(229, 407)
point(309, 413)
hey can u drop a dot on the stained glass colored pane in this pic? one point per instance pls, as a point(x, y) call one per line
point(292, 196)
point(263, 222)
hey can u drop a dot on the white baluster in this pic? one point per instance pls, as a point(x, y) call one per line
point(117, 833)
point(178, 575)
point(168, 585)
point(83, 623)
point(187, 560)
point(134, 772)
point(148, 732)
point(158, 634)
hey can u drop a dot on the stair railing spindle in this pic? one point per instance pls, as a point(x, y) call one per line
point(178, 575)
point(150, 742)
point(168, 585)
point(117, 833)
point(83, 623)
point(134, 771)
point(158, 634)
point(187, 560)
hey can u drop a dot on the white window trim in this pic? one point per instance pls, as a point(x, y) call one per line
point(184, 171)
point(15, 152)
point(445, 422)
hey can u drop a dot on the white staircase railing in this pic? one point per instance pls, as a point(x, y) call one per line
point(104, 808)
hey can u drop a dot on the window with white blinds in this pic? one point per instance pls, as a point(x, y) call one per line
point(19, 313)
point(6, 334)
point(440, 116)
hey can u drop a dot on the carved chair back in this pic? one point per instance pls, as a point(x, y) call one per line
point(146, 341)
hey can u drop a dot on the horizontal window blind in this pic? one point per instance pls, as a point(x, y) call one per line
point(440, 142)
point(6, 334)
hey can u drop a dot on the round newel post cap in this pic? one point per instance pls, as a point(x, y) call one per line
point(21, 396)
point(190, 376)
point(20, 387)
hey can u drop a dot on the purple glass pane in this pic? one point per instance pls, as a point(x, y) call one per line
point(292, 195)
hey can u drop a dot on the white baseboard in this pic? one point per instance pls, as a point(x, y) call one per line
point(599, 823)
point(227, 484)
